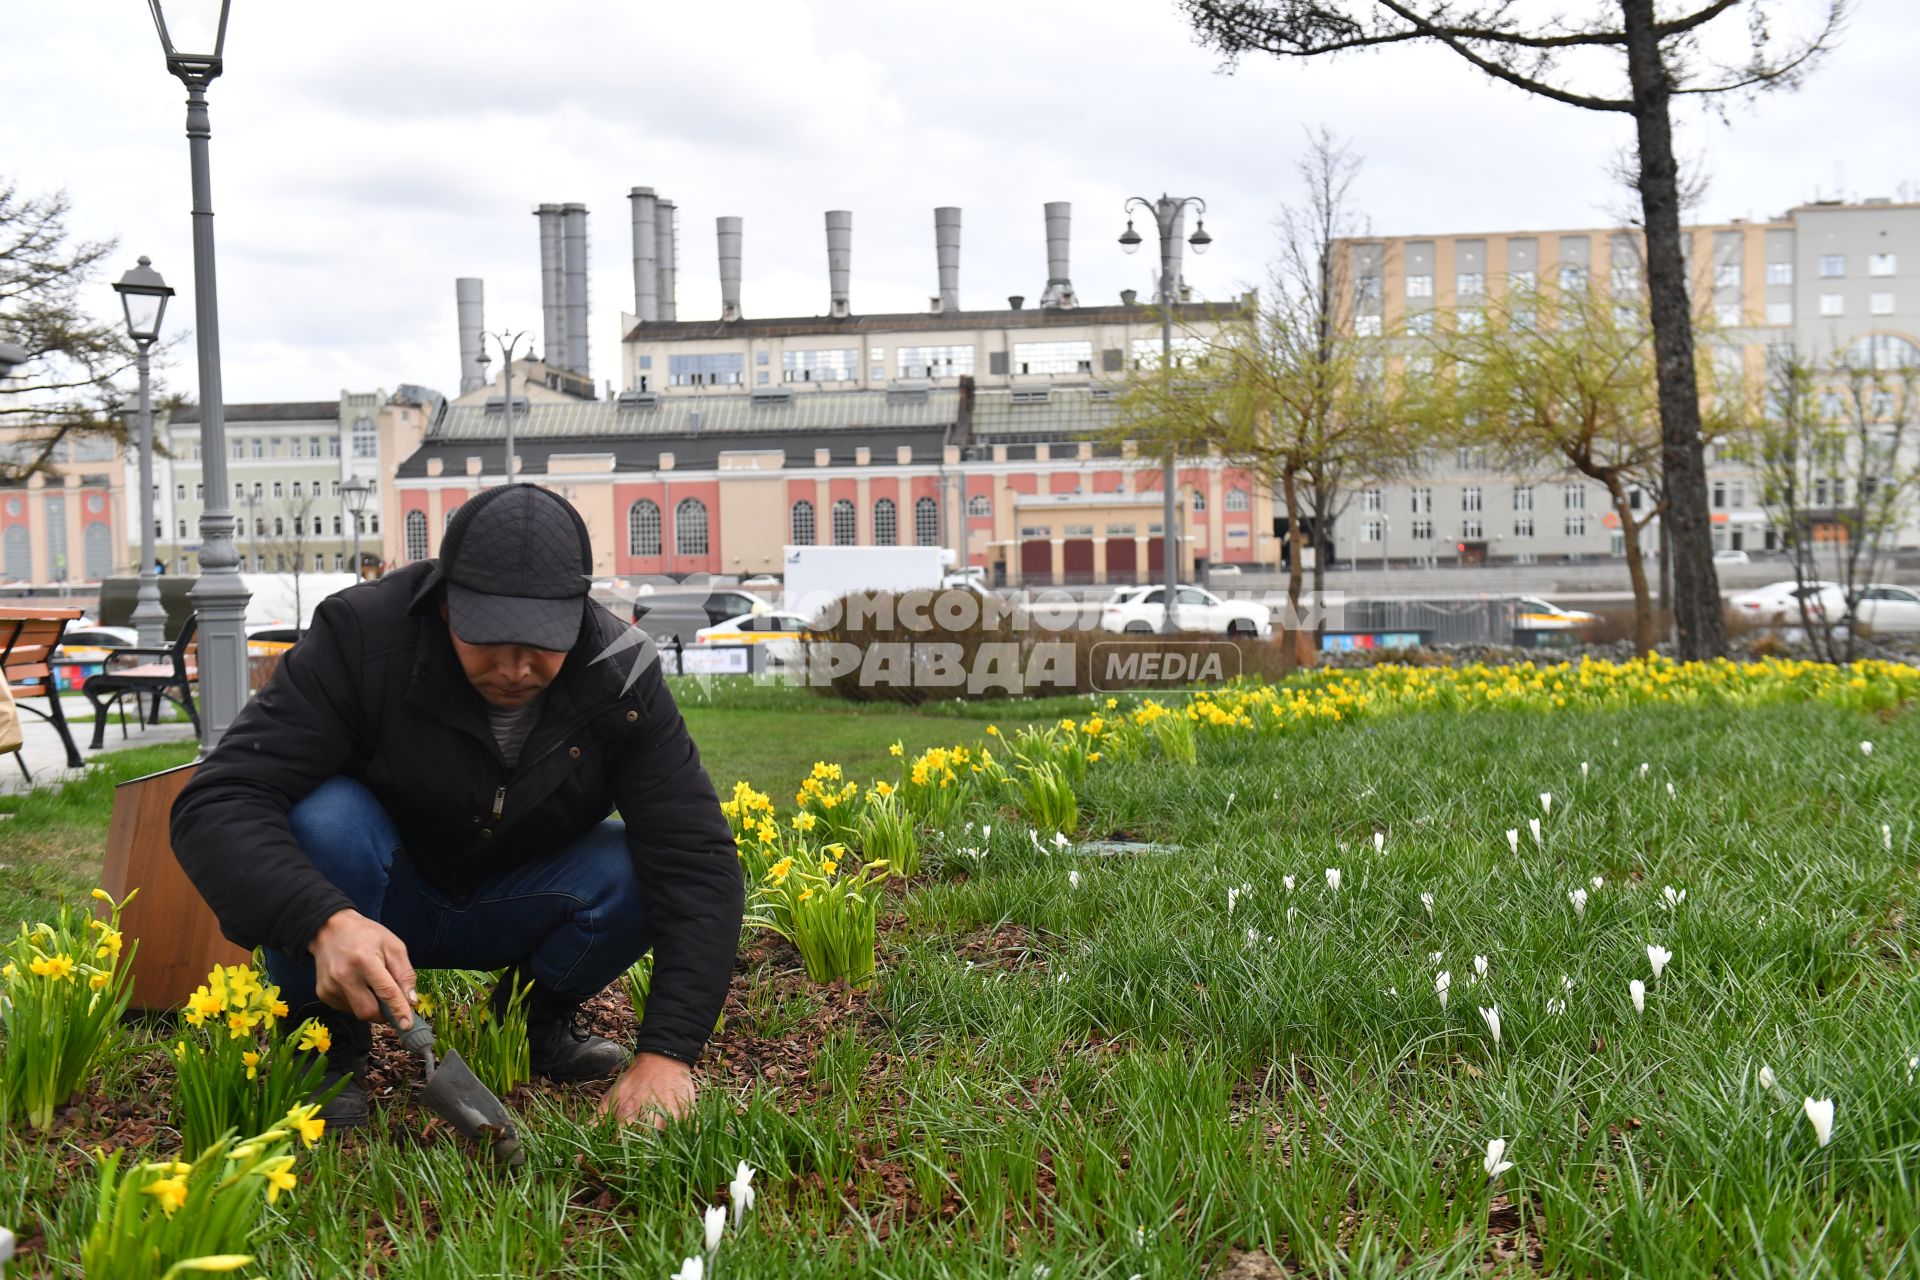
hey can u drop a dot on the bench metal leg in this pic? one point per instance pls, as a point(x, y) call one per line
point(59, 719)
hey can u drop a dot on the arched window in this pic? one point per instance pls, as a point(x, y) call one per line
point(979, 505)
point(803, 523)
point(279, 527)
point(19, 554)
point(845, 526)
point(926, 523)
point(416, 524)
point(886, 523)
point(96, 545)
point(1199, 500)
point(319, 527)
point(690, 528)
point(643, 528)
point(1236, 499)
point(336, 526)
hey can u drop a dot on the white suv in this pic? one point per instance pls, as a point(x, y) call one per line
point(1194, 609)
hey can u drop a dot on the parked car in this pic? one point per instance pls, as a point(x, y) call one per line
point(267, 638)
point(1779, 602)
point(84, 643)
point(1194, 609)
point(1731, 556)
point(1543, 615)
point(1885, 607)
point(782, 634)
point(1223, 571)
point(669, 614)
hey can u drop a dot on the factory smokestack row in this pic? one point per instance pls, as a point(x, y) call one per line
point(1059, 290)
point(553, 305)
point(946, 250)
point(839, 261)
point(468, 300)
point(646, 255)
point(728, 232)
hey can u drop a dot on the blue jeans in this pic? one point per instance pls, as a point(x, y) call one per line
point(578, 918)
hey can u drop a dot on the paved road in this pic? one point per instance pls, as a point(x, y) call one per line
point(46, 756)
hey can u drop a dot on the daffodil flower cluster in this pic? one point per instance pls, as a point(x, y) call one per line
point(162, 1218)
point(231, 1071)
point(493, 1044)
point(63, 986)
point(825, 902)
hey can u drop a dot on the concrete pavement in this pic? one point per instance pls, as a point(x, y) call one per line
point(46, 755)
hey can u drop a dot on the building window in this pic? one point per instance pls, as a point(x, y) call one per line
point(257, 447)
point(276, 489)
point(1367, 326)
point(1420, 286)
point(1576, 526)
point(1573, 278)
point(318, 527)
point(337, 528)
point(1423, 530)
point(711, 369)
point(1471, 530)
point(839, 365)
point(1727, 314)
point(1718, 496)
point(1372, 530)
point(1573, 496)
point(1053, 357)
point(1121, 530)
point(1880, 304)
point(1832, 304)
point(1372, 501)
point(1881, 264)
point(800, 523)
point(239, 448)
point(877, 364)
point(1523, 526)
point(1779, 313)
point(313, 446)
point(1468, 283)
point(1523, 497)
point(1626, 277)
point(936, 362)
point(333, 446)
point(296, 489)
point(690, 528)
point(926, 523)
point(294, 447)
point(1186, 352)
point(643, 528)
point(1238, 499)
point(1726, 275)
point(1420, 322)
point(416, 526)
point(979, 505)
point(1422, 501)
point(1779, 273)
point(846, 526)
point(1470, 319)
point(1367, 292)
point(1199, 501)
point(1470, 498)
point(1833, 266)
point(183, 529)
point(886, 523)
point(366, 439)
point(1523, 281)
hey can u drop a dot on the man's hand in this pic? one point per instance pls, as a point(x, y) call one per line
point(355, 961)
point(654, 1089)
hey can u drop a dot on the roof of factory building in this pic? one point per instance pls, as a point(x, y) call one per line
point(923, 321)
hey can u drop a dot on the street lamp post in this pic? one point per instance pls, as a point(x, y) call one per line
point(1168, 212)
point(143, 296)
point(193, 34)
point(508, 344)
point(356, 491)
point(11, 354)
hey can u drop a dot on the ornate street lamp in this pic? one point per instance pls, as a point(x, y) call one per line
point(508, 344)
point(143, 296)
point(356, 491)
point(1167, 212)
point(193, 34)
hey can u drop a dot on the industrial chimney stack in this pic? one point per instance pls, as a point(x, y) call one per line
point(646, 256)
point(1059, 291)
point(663, 239)
point(946, 248)
point(552, 286)
point(728, 231)
point(839, 261)
point(574, 260)
point(468, 295)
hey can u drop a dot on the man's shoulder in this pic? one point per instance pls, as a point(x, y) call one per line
point(381, 612)
point(615, 658)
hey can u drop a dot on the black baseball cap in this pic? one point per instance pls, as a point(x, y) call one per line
point(518, 567)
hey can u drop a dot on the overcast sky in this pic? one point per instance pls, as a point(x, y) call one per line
point(365, 154)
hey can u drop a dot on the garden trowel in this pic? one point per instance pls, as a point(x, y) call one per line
point(456, 1095)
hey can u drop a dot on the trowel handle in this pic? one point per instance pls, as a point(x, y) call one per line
point(416, 1039)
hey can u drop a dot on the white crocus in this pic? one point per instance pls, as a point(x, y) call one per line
point(1073, 879)
point(1583, 768)
point(1566, 984)
point(1546, 804)
point(1292, 912)
point(1866, 748)
point(1437, 957)
point(986, 834)
point(1596, 882)
point(1513, 839)
point(6, 1246)
point(1441, 982)
point(1670, 791)
point(1060, 840)
point(1767, 1079)
point(1556, 1006)
point(1886, 836)
point(1657, 956)
point(1578, 897)
point(1820, 1116)
point(691, 1269)
point(740, 1192)
point(1233, 897)
point(1286, 882)
point(1379, 841)
point(1638, 990)
point(1913, 1067)
point(1493, 1164)
point(1492, 1018)
point(1480, 966)
point(1333, 879)
point(1533, 825)
point(1426, 900)
point(716, 1225)
point(1671, 897)
point(1644, 766)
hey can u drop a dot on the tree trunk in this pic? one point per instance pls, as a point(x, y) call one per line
point(1636, 567)
point(1290, 487)
point(1697, 608)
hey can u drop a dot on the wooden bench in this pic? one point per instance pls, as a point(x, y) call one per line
point(28, 639)
point(166, 673)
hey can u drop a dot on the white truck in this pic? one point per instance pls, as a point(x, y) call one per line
point(817, 576)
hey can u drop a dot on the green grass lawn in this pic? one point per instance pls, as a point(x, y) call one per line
point(1136, 1076)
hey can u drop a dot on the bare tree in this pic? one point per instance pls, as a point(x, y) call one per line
point(1661, 58)
point(67, 385)
point(287, 539)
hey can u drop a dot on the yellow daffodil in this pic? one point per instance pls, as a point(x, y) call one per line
point(170, 1192)
point(55, 967)
point(252, 1061)
point(307, 1123)
point(280, 1177)
point(829, 866)
point(895, 749)
point(803, 822)
point(883, 789)
point(99, 981)
point(314, 1037)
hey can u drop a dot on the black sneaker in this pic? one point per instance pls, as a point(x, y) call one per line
point(352, 1039)
point(559, 1047)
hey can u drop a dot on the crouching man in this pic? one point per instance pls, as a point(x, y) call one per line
point(426, 782)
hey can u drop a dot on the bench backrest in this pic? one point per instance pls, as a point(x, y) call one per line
point(28, 638)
